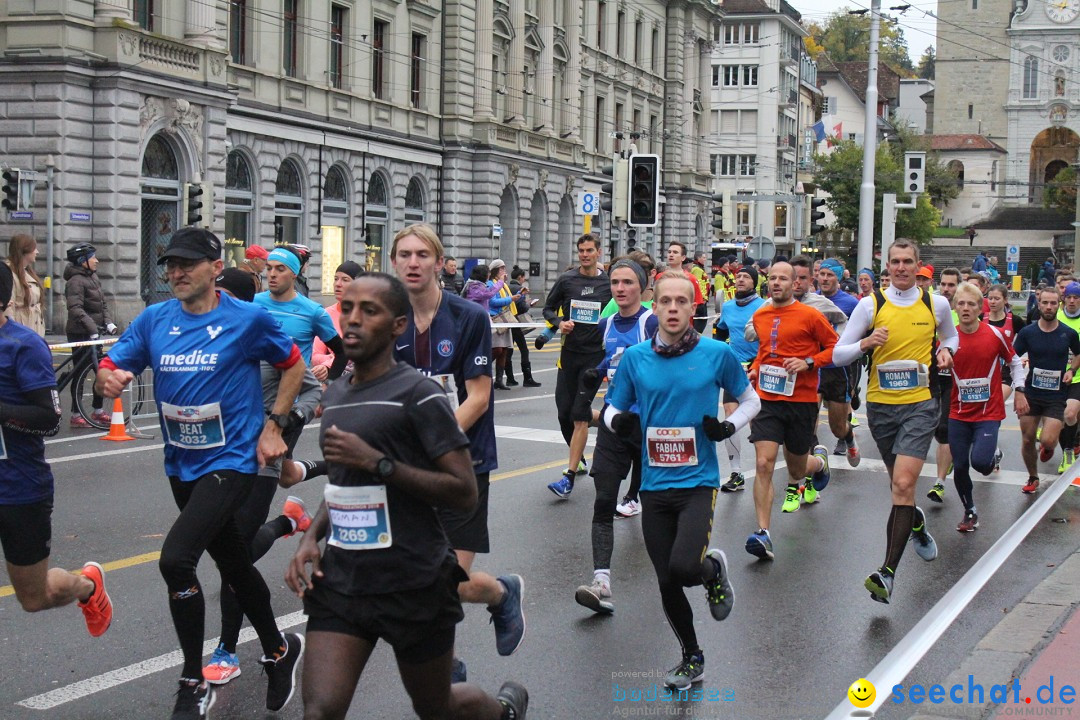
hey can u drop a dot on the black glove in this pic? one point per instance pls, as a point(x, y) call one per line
point(715, 430)
point(625, 424)
point(590, 381)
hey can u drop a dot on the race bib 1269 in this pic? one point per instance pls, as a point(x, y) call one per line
point(359, 517)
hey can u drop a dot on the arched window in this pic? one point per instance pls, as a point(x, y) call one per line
point(1031, 77)
point(376, 218)
point(288, 204)
point(559, 101)
point(500, 68)
point(238, 207)
point(335, 213)
point(957, 169)
point(160, 214)
point(414, 202)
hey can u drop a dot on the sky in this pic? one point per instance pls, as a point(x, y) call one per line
point(919, 30)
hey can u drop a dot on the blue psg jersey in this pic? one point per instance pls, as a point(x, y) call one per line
point(206, 380)
point(456, 348)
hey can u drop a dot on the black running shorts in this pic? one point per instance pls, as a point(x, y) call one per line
point(418, 624)
point(26, 532)
point(833, 384)
point(468, 529)
point(791, 424)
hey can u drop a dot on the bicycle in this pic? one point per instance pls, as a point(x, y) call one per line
point(84, 374)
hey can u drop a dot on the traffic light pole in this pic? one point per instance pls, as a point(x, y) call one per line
point(889, 206)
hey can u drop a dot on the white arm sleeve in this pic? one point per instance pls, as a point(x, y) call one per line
point(749, 405)
point(610, 412)
point(848, 348)
point(947, 335)
point(1019, 375)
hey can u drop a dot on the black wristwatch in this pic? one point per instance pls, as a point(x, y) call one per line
point(809, 363)
point(282, 421)
point(384, 468)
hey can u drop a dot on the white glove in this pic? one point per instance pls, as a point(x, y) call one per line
point(111, 328)
point(95, 336)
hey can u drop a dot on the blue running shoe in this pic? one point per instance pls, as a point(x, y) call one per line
point(925, 545)
point(458, 671)
point(507, 616)
point(223, 667)
point(822, 477)
point(563, 486)
point(760, 545)
point(880, 585)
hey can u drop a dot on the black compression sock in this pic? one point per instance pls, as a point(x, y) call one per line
point(313, 468)
point(897, 533)
point(1067, 439)
point(850, 437)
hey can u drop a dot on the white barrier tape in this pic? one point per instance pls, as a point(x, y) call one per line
point(84, 343)
point(542, 325)
point(902, 659)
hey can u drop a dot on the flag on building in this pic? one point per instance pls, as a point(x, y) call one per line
point(819, 130)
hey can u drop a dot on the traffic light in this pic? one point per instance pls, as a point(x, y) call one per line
point(12, 189)
point(644, 201)
point(813, 215)
point(724, 212)
point(613, 194)
point(198, 204)
point(631, 239)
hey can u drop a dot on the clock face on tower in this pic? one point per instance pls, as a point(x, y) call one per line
point(1062, 11)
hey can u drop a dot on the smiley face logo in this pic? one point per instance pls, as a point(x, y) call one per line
point(861, 693)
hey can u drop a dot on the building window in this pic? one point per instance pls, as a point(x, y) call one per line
point(376, 218)
point(716, 76)
point(288, 204)
point(288, 52)
point(742, 219)
point(749, 73)
point(655, 58)
point(238, 207)
point(238, 20)
point(637, 42)
point(974, 4)
point(1031, 77)
point(335, 214)
point(971, 111)
point(414, 202)
point(781, 221)
point(620, 25)
point(993, 176)
point(957, 169)
point(378, 59)
point(144, 14)
point(747, 165)
point(416, 74)
point(731, 34)
point(338, 16)
point(601, 18)
point(598, 131)
point(731, 76)
point(750, 33)
point(724, 165)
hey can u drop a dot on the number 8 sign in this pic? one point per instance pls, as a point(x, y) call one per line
point(588, 202)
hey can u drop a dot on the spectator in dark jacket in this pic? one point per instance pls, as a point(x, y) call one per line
point(450, 278)
point(87, 317)
point(1047, 274)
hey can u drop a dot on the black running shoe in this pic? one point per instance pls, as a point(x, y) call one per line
point(281, 672)
point(687, 672)
point(880, 585)
point(193, 700)
point(515, 700)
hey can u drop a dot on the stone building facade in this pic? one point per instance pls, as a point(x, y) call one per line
point(333, 124)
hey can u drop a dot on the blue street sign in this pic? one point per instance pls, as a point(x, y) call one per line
point(21, 215)
point(1011, 268)
point(79, 217)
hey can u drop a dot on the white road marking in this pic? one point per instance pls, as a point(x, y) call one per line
point(105, 681)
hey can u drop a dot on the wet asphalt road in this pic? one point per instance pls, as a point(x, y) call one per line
point(802, 630)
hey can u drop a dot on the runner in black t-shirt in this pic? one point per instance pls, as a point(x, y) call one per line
point(394, 452)
point(1047, 344)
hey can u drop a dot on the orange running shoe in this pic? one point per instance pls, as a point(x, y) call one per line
point(98, 609)
point(294, 510)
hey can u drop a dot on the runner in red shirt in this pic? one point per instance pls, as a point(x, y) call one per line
point(978, 406)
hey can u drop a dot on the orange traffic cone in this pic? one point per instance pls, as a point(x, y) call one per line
point(117, 431)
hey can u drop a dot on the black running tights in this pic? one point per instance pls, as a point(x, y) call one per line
point(676, 525)
point(207, 523)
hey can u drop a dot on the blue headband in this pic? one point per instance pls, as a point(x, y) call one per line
point(834, 267)
point(868, 271)
point(286, 258)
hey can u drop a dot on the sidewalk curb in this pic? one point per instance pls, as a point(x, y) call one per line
point(1014, 643)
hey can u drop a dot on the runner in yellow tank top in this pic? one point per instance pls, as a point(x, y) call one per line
point(899, 326)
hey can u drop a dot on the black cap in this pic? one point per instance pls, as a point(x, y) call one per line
point(238, 282)
point(192, 243)
point(350, 268)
